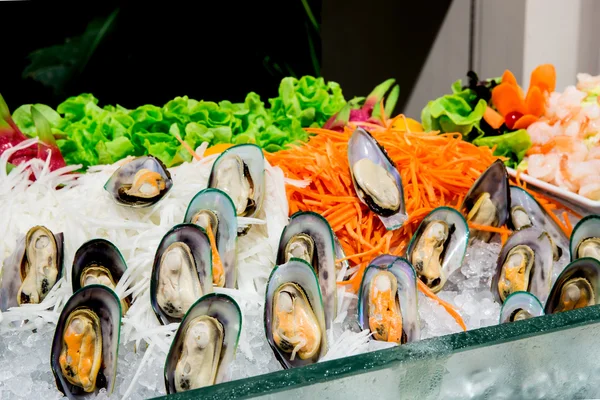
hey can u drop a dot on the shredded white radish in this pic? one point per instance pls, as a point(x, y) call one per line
point(83, 210)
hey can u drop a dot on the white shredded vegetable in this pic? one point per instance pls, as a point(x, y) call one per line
point(78, 206)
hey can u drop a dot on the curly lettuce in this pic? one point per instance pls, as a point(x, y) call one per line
point(456, 112)
point(512, 145)
point(88, 134)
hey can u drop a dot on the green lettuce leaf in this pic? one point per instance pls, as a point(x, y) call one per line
point(22, 117)
point(308, 99)
point(89, 134)
point(112, 151)
point(513, 145)
point(74, 108)
point(452, 113)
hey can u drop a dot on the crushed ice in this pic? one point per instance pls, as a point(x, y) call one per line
point(25, 347)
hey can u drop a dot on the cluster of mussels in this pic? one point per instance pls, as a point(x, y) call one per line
point(192, 258)
point(302, 304)
point(301, 293)
point(524, 272)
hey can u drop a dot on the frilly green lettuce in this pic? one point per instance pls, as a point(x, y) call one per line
point(88, 134)
point(512, 145)
point(454, 112)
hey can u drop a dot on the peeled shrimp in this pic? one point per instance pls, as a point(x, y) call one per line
point(566, 140)
point(543, 166)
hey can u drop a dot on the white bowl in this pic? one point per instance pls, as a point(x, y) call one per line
point(576, 202)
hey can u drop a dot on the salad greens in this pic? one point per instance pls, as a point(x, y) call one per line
point(463, 111)
point(88, 134)
point(513, 145)
point(456, 112)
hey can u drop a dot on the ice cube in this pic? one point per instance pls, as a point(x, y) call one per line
point(20, 385)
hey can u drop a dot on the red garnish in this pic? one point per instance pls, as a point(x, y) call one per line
point(511, 118)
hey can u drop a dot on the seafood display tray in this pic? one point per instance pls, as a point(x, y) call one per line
point(550, 356)
point(577, 202)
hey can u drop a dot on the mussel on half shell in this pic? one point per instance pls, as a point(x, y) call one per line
point(387, 300)
point(204, 345)
point(488, 200)
point(526, 212)
point(99, 262)
point(86, 342)
point(309, 237)
point(438, 246)
point(181, 273)
point(215, 207)
point(33, 268)
point(141, 182)
point(524, 264)
point(519, 306)
point(376, 179)
point(240, 172)
point(577, 286)
point(585, 239)
point(294, 316)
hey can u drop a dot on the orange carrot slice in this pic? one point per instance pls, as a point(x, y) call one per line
point(506, 98)
point(544, 77)
point(493, 118)
point(508, 77)
point(535, 101)
point(216, 149)
point(525, 121)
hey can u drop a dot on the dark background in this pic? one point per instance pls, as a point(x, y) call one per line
point(132, 53)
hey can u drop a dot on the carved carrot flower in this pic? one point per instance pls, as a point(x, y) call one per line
point(520, 110)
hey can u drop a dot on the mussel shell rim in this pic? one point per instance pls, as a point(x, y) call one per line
point(7, 288)
point(396, 219)
point(259, 182)
point(211, 298)
point(537, 303)
point(58, 333)
point(108, 186)
point(320, 315)
point(189, 212)
point(572, 268)
point(522, 192)
point(114, 268)
point(298, 218)
point(503, 214)
point(402, 263)
point(516, 235)
point(427, 219)
point(192, 209)
point(583, 223)
point(308, 214)
point(207, 286)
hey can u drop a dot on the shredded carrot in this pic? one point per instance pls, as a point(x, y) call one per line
point(501, 230)
point(427, 292)
point(436, 169)
point(187, 147)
